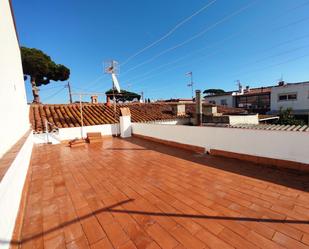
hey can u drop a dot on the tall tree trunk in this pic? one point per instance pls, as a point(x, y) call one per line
point(35, 91)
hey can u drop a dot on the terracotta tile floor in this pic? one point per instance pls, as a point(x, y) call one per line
point(138, 194)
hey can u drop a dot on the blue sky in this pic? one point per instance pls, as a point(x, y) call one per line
point(254, 41)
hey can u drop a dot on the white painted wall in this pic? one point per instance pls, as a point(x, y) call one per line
point(217, 99)
point(13, 103)
point(41, 138)
point(75, 132)
point(293, 146)
point(302, 102)
point(125, 126)
point(11, 188)
point(244, 119)
point(178, 121)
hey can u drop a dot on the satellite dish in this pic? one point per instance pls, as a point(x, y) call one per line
point(112, 69)
point(115, 82)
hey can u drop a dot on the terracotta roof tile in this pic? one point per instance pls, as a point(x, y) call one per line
point(68, 115)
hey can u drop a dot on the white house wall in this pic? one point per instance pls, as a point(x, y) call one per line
point(302, 102)
point(217, 99)
point(13, 103)
point(285, 145)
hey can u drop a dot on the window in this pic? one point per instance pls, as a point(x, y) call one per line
point(212, 102)
point(223, 102)
point(287, 96)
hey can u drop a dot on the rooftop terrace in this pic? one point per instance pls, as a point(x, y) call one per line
point(132, 193)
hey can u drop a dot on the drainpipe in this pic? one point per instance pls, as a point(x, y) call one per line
point(199, 110)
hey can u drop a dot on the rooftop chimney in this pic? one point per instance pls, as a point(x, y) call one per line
point(94, 99)
point(108, 101)
point(198, 103)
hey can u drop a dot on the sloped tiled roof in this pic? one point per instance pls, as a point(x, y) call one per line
point(68, 115)
point(256, 91)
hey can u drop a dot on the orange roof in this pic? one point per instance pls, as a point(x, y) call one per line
point(68, 115)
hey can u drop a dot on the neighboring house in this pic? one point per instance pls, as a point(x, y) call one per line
point(291, 95)
point(255, 100)
point(225, 99)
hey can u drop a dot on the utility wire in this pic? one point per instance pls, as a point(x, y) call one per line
point(50, 88)
point(204, 31)
point(170, 32)
point(54, 94)
point(228, 38)
point(237, 33)
point(252, 63)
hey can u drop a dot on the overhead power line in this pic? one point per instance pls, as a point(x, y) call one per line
point(170, 32)
point(54, 94)
point(142, 76)
point(204, 31)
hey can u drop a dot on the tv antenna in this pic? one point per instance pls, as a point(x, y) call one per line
point(112, 68)
point(190, 74)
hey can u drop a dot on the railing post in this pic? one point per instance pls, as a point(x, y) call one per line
point(46, 131)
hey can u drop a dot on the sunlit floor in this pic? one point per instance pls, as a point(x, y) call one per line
point(137, 194)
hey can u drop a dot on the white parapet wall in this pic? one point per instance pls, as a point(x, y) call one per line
point(178, 121)
point(284, 145)
point(11, 187)
point(75, 132)
point(243, 119)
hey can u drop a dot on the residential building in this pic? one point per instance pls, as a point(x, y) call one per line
point(254, 100)
point(291, 95)
point(225, 99)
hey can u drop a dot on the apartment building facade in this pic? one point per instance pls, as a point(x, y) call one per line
point(291, 95)
point(268, 100)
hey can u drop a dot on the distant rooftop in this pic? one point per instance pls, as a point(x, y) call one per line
point(68, 115)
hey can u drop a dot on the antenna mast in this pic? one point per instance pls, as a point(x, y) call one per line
point(191, 82)
point(70, 93)
point(111, 67)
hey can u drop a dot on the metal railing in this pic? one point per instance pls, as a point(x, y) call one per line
point(46, 130)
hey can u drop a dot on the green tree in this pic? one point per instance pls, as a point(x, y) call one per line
point(123, 95)
point(286, 117)
point(213, 91)
point(41, 69)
